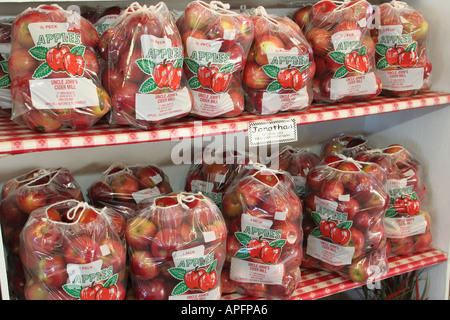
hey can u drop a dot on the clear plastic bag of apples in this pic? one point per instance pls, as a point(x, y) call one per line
point(177, 248)
point(54, 70)
point(401, 49)
point(280, 67)
point(216, 41)
point(264, 243)
point(71, 251)
point(345, 144)
point(123, 187)
point(22, 195)
point(344, 52)
point(407, 220)
point(213, 174)
point(343, 220)
point(144, 76)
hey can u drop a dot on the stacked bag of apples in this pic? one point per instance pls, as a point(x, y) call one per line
point(22, 195)
point(401, 49)
point(144, 77)
point(216, 43)
point(344, 51)
point(71, 251)
point(102, 18)
point(214, 173)
point(177, 248)
point(5, 81)
point(280, 68)
point(407, 222)
point(54, 70)
point(123, 187)
point(264, 243)
point(345, 144)
point(297, 162)
point(344, 211)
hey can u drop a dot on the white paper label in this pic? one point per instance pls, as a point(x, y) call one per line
point(159, 49)
point(63, 93)
point(251, 272)
point(250, 221)
point(353, 86)
point(405, 226)
point(401, 80)
point(274, 102)
point(145, 194)
point(346, 41)
point(193, 44)
point(49, 34)
point(270, 132)
point(79, 273)
point(156, 107)
point(329, 252)
point(284, 58)
point(211, 104)
point(200, 185)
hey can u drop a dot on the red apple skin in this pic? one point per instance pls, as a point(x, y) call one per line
point(42, 236)
point(165, 242)
point(320, 41)
point(52, 271)
point(422, 242)
point(144, 266)
point(117, 255)
point(124, 185)
point(255, 77)
point(82, 250)
point(140, 232)
point(155, 289)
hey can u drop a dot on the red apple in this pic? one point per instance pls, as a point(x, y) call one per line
point(124, 185)
point(140, 232)
point(301, 16)
point(42, 236)
point(255, 77)
point(82, 250)
point(114, 254)
point(52, 271)
point(165, 242)
point(144, 266)
point(155, 289)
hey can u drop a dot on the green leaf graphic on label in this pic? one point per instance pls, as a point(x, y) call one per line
point(414, 196)
point(316, 218)
point(274, 86)
point(242, 254)
point(316, 232)
point(4, 66)
point(111, 281)
point(362, 51)
point(345, 225)
point(338, 57)
point(38, 52)
point(243, 238)
point(278, 243)
point(146, 65)
point(149, 85)
point(412, 47)
point(390, 212)
point(177, 273)
point(341, 72)
point(192, 65)
point(5, 81)
point(178, 63)
point(212, 267)
point(305, 67)
point(194, 83)
point(382, 64)
point(271, 71)
point(42, 71)
point(180, 289)
point(73, 290)
point(381, 49)
point(227, 68)
point(78, 50)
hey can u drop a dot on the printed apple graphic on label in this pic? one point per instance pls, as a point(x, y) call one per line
point(203, 279)
point(54, 57)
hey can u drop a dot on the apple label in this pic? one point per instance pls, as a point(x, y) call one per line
point(145, 194)
point(270, 132)
point(156, 107)
point(273, 102)
point(211, 104)
point(353, 86)
point(196, 271)
point(104, 22)
point(403, 79)
point(63, 93)
point(5, 81)
point(252, 272)
point(85, 274)
point(405, 226)
point(346, 41)
point(329, 252)
point(300, 184)
point(49, 34)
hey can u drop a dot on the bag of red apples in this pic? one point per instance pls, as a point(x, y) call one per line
point(123, 187)
point(5, 81)
point(54, 70)
point(22, 195)
point(216, 43)
point(71, 251)
point(401, 49)
point(215, 172)
point(144, 76)
point(344, 52)
point(345, 144)
point(407, 222)
point(264, 244)
point(280, 68)
point(298, 162)
point(177, 248)
point(344, 212)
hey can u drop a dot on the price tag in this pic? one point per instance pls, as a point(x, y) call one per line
point(272, 132)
